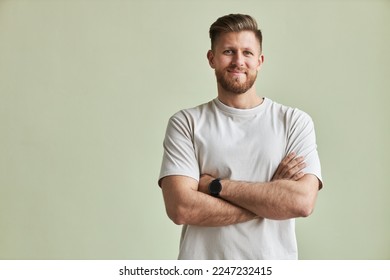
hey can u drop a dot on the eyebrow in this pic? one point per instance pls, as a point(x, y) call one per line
point(244, 49)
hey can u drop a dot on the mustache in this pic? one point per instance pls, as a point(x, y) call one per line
point(237, 68)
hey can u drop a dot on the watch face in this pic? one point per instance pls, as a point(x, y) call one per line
point(215, 187)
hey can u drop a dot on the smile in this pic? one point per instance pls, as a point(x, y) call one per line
point(237, 72)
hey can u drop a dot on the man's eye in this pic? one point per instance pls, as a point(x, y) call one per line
point(248, 53)
point(228, 52)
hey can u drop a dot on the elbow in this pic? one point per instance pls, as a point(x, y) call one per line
point(177, 219)
point(305, 211)
point(306, 198)
point(306, 206)
point(177, 215)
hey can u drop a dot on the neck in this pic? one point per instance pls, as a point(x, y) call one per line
point(245, 100)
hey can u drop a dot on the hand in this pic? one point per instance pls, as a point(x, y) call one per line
point(290, 168)
point(204, 182)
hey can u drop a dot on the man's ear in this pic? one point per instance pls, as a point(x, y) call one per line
point(260, 62)
point(210, 57)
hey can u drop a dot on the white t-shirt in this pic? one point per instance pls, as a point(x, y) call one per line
point(238, 144)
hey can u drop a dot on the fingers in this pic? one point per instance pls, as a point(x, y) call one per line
point(290, 168)
point(293, 167)
point(298, 176)
point(288, 158)
point(281, 170)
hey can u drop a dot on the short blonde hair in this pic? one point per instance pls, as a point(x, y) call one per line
point(234, 23)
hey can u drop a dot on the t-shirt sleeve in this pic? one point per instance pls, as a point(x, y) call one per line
point(179, 154)
point(301, 139)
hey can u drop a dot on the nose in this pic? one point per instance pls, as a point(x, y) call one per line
point(238, 59)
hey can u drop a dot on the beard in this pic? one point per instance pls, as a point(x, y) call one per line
point(234, 84)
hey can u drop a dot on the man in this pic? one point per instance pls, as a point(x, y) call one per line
point(237, 170)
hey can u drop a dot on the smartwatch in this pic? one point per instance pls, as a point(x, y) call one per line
point(215, 187)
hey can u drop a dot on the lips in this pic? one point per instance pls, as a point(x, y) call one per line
point(237, 71)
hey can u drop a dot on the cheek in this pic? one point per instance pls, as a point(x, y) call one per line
point(222, 60)
point(253, 65)
point(224, 63)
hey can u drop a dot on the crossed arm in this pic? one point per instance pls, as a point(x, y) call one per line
point(290, 194)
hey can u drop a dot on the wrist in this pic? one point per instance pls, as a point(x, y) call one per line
point(204, 183)
point(224, 183)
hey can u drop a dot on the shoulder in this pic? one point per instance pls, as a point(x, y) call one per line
point(288, 113)
point(192, 114)
point(186, 120)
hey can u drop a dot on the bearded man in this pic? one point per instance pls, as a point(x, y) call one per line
point(238, 170)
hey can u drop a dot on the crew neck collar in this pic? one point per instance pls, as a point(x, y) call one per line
point(242, 112)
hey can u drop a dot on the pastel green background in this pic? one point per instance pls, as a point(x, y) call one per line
point(87, 87)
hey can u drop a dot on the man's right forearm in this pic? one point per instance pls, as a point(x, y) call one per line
point(206, 210)
point(186, 205)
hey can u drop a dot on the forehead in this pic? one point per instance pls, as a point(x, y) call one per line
point(242, 39)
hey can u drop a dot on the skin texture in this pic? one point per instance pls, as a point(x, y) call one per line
point(236, 60)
